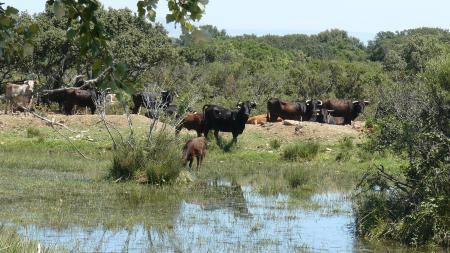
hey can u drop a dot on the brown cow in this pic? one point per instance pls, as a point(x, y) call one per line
point(260, 119)
point(347, 109)
point(194, 148)
point(192, 121)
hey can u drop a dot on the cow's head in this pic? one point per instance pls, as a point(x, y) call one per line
point(30, 84)
point(359, 106)
point(246, 107)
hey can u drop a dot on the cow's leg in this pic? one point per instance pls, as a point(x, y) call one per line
point(235, 135)
point(216, 134)
point(68, 107)
point(93, 109)
point(206, 132)
point(6, 107)
point(198, 161)
point(190, 162)
point(347, 121)
point(199, 133)
point(202, 156)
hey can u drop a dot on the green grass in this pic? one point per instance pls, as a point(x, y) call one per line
point(301, 151)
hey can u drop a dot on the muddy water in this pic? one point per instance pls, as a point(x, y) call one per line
point(244, 222)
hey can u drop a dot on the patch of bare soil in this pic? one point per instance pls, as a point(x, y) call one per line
point(11, 122)
point(290, 130)
point(308, 130)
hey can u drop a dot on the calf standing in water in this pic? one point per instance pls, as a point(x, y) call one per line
point(194, 148)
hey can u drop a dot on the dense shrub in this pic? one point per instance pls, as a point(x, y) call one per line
point(414, 120)
point(155, 162)
point(300, 150)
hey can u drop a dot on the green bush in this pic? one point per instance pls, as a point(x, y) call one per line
point(300, 150)
point(154, 162)
point(164, 159)
point(127, 160)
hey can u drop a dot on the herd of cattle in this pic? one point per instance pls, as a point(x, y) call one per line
point(213, 117)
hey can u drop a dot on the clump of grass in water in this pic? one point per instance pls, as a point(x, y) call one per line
point(300, 150)
point(10, 241)
point(275, 144)
point(296, 177)
point(154, 162)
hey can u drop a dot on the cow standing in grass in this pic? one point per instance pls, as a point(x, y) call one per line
point(218, 118)
point(194, 148)
point(19, 94)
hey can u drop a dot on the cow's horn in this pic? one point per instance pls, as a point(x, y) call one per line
point(307, 101)
point(366, 101)
point(320, 102)
point(356, 101)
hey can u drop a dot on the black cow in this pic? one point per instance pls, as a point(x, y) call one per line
point(151, 100)
point(79, 97)
point(218, 118)
point(297, 110)
point(49, 97)
point(69, 98)
point(346, 109)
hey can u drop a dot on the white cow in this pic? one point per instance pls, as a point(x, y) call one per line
point(19, 94)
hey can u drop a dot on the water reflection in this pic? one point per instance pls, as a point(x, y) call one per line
point(235, 220)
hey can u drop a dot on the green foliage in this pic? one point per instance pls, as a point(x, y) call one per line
point(155, 162)
point(275, 143)
point(413, 120)
point(330, 44)
point(300, 151)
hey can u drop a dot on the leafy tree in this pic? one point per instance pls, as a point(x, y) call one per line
point(413, 118)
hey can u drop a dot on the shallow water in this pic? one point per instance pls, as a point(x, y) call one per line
point(244, 222)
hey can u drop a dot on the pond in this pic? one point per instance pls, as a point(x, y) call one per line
point(242, 221)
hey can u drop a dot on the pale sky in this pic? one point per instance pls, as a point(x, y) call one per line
point(361, 18)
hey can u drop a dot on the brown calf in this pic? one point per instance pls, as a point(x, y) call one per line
point(260, 119)
point(194, 148)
